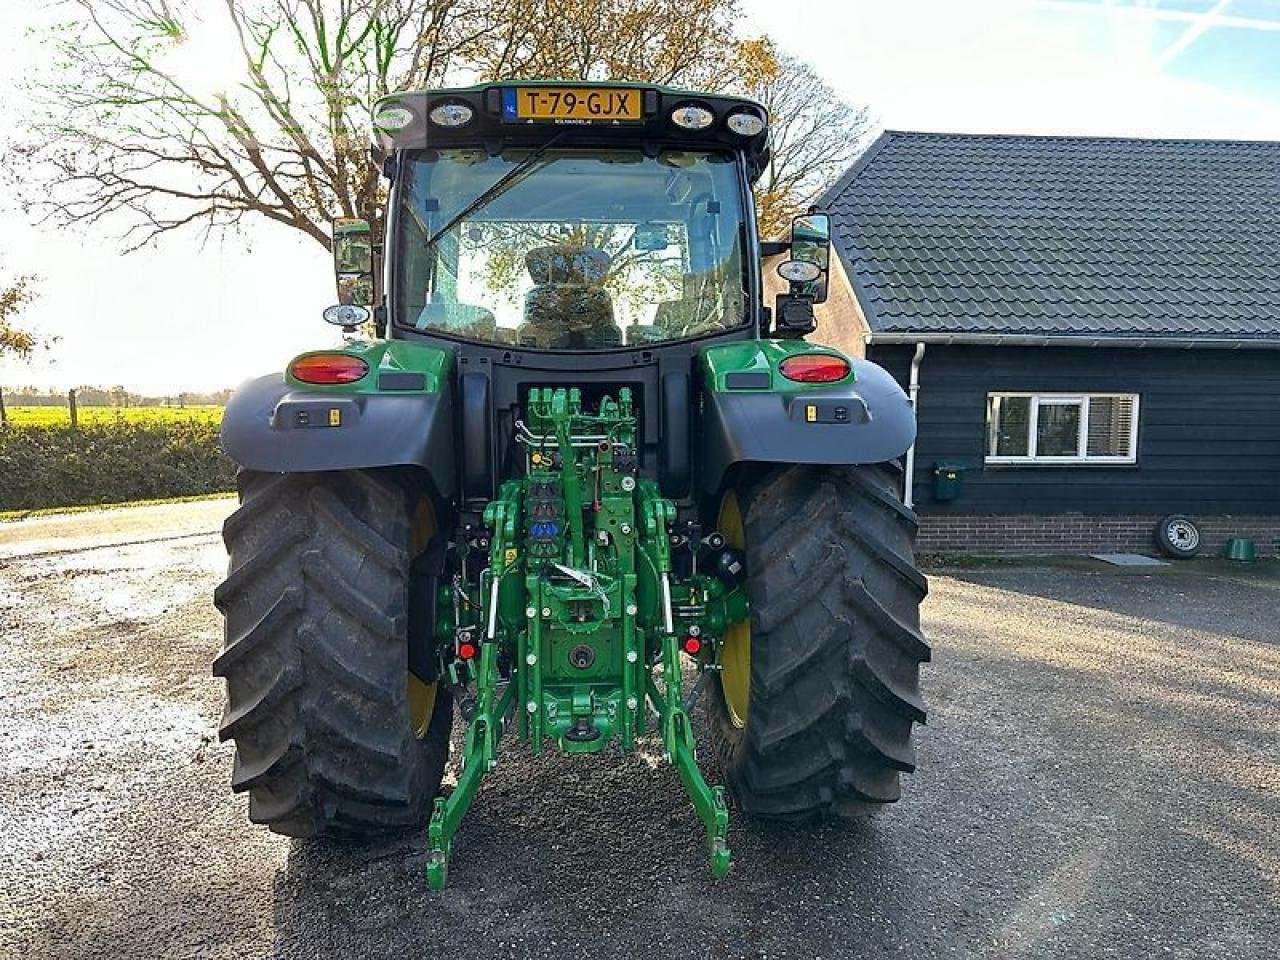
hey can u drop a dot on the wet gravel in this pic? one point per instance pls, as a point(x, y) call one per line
point(1100, 777)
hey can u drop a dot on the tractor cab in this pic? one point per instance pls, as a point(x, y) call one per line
point(559, 217)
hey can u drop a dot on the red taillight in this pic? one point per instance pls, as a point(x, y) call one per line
point(692, 645)
point(328, 368)
point(814, 368)
point(467, 651)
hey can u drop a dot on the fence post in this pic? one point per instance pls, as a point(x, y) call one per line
point(4, 414)
point(71, 408)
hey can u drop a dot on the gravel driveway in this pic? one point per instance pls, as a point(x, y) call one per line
point(1100, 777)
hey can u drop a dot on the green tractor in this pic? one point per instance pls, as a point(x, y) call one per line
point(567, 474)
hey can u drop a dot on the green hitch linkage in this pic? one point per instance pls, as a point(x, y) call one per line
point(677, 734)
point(480, 751)
point(479, 756)
point(677, 738)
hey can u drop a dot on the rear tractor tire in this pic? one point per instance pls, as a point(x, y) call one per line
point(813, 710)
point(334, 736)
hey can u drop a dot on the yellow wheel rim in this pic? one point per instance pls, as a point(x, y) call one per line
point(422, 704)
point(735, 652)
point(422, 696)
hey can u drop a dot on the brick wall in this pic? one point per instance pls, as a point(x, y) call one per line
point(1081, 533)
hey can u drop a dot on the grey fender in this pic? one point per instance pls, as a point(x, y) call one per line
point(868, 421)
point(273, 427)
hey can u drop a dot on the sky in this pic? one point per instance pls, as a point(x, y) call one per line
point(187, 316)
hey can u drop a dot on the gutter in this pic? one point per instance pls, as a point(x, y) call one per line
point(1026, 340)
point(913, 391)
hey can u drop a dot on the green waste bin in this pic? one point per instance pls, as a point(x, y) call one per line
point(1240, 548)
point(948, 480)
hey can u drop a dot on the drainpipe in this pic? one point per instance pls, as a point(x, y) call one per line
point(913, 390)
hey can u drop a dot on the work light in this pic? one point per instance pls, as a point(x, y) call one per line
point(452, 114)
point(745, 123)
point(346, 315)
point(690, 116)
point(799, 271)
point(393, 118)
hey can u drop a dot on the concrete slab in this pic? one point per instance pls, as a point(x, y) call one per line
point(1129, 560)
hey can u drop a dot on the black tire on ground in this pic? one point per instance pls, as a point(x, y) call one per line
point(836, 645)
point(1178, 536)
point(317, 623)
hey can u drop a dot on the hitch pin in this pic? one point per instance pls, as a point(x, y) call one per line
point(668, 621)
point(493, 608)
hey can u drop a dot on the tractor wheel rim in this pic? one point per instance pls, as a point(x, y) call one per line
point(421, 696)
point(422, 704)
point(1183, 535)
point(735, 651)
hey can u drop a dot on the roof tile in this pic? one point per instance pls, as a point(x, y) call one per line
point(1045, 236)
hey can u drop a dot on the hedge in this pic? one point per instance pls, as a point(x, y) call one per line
point(110, 462)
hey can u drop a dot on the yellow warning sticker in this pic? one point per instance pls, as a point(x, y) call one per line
point(510, 556)
point(811, 412)
point(335, 417)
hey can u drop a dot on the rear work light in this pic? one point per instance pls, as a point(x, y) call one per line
point(745, 123)
point(451, 114)
point(393, 118)
point(691, 116)
point(814, 368)
point(328, 368)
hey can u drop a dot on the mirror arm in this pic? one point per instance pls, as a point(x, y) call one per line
point(774, 248)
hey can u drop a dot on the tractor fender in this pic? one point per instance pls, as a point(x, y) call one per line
point(274, 427)
point(868, 420)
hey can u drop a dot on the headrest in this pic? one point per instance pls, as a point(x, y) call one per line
point(565, 264)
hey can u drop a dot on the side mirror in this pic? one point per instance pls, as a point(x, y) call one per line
point(353, 261)
point(811, 244)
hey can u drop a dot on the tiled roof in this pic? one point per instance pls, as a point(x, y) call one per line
point(1063, 236)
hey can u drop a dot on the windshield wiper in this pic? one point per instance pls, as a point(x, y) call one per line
point(499, 186)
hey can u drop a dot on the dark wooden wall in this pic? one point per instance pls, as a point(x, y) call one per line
point(1208, 430)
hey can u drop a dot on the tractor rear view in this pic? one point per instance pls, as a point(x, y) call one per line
point(566, 476)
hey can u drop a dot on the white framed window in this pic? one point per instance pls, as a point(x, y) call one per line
point(1062, 428)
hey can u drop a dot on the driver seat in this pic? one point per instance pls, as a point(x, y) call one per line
point(569, 307)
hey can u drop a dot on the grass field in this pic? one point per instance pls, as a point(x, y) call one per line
point(58, 416)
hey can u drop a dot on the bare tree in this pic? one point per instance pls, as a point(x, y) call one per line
point(286, 140)
point(130, 139)
point(815, 137)
point(690, 43)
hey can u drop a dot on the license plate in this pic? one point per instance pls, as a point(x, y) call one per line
point(573, 105)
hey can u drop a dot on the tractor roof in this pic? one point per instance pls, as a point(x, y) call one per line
point(577, 113)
